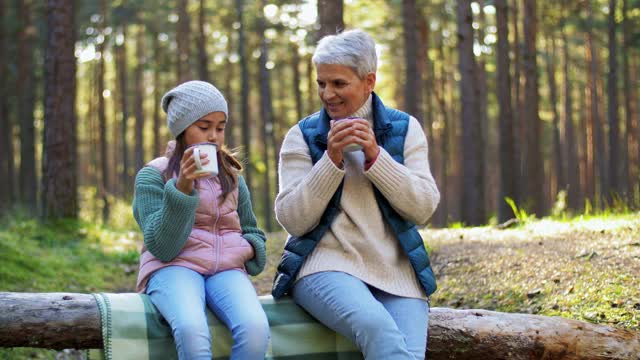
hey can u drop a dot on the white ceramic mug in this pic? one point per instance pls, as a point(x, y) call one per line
point(350, 147)
point(211, 150)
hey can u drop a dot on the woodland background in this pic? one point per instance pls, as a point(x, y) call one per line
point(535, 102)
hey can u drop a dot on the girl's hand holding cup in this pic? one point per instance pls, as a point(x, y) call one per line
point(189, 170)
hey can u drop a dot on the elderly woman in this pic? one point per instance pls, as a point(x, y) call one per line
point(354, 183)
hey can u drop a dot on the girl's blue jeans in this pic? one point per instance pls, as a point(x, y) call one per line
point(383, 326)
point(181, 294)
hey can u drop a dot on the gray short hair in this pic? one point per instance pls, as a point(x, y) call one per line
point(354, 48)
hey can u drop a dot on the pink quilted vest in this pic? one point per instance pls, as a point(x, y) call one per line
point(215, 243)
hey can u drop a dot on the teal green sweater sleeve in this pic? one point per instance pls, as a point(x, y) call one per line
point(250, 230)
point(164, 213)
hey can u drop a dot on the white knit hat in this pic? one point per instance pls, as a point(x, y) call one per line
point(189, 102)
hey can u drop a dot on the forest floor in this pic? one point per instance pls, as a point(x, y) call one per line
point(585, 268)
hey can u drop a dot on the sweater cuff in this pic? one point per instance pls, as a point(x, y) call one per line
point(368, 164)
point(255, 265)
point(325, 177)
point(180, 202)
point(386, 173)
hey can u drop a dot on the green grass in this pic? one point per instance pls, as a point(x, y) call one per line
point(64, 256)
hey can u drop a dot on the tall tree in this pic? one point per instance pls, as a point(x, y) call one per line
point(534, 163)
point(557, 154)
point(595, 126)
point(631, 141)
point(139, 98)
point(508, 157)
point(103, 179)
point(473, 211)
point(184, 45)
point(295, 67)
point(330, 17)
point(203, 58)
point(266, 110)
point(519, 124)
point(412, 84)
point(612, 94)
point(6, 159)
point(123, 91)
point(26, 101)
point(157, 57)
point(571, 156)
point(244, 94)
point(59, 178)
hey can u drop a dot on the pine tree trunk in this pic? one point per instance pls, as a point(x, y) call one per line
point(627, 143)
point(534, 163)
point(518, 120)
point(508, 156)
point(412, 83)
point(330, 13)
point(184, 45)
point(157, 85)
point(297, 93)
point(614, 121)
point(266, 109)
point(558, 158)
point(103, 185)
point(5, 125)
point(597, 148)
point(26, 101)
point(203, 58)
point(244, 95)
point(473, 212)
point(59, 176)
point(139, 102)
point(123, 87)
point(574, 191)
point(67, 320)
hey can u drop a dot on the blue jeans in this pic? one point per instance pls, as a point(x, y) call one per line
point(181, 294)
point(383, 326)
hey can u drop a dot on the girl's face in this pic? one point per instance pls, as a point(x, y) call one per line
point(341, 90)
point(209, 128)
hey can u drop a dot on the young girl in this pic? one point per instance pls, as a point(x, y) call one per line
point(200, 233)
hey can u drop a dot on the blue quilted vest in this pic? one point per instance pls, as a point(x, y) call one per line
point(390, 128)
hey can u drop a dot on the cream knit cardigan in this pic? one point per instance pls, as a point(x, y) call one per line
point(358, 242)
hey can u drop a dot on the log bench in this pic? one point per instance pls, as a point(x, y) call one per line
point(72, 320)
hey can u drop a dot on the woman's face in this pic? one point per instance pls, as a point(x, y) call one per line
point(209, 128)
point(341, 90)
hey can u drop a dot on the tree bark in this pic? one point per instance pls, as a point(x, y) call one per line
point(266, 108)
point(473, 211)
point(534, 162)
point(123, 86)
point(244, 95)
point(184, 45)
point(68, 320)
point(574, 192)
point(412, 84)
point(103, 179)
point(139, 99)
point(598, 147)
point(558, 158)
point(6, 160)
point(203, 58)
point(509, 163)
point(26, 100)
point(330, 17)
point(630, 143)
point(614, 122)
point(59, 177)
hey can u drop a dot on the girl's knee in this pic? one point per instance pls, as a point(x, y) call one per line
point(254, 332)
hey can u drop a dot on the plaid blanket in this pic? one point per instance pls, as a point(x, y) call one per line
point(132, 328)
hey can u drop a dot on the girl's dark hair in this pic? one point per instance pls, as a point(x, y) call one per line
point(228, 165)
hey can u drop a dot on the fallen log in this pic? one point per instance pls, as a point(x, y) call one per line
point(69, 320)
